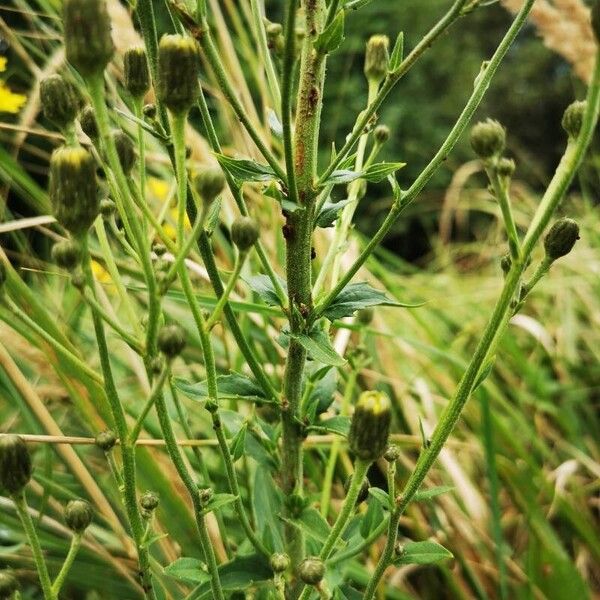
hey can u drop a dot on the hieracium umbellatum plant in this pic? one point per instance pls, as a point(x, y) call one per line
point(210, 319)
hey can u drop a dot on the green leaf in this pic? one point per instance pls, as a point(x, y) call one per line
point(218, 501)
point(382, 497)
point(485, 371)
point(246, 170)
point(432, 493)
point(268, 504)
point(213, 217)
point(339, 425)
point(234, 386)
point(343, 176)
point(329, 212)
point(238, 443)
point(238, 574)
point(397, 53)
point(318, 345)
point(263, 287)
point(372, 518)
point(188, 569)
point(333, 35)
point(379, 171)
point(274, 123)
point(422, 553)
point(312, 523)
point(356, 296)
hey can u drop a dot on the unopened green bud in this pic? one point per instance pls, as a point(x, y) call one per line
point(78, 515)
point(381, 134)
point(244, 233)
point(178, 64)
point(275, 39)
point(136, 75)
point(88, 42)
point(365, 315)
point(370, 426)
point(149, 111)
point(149, 501)
point(66, 254)
point(506, 263)
point(377, 58)
point(159, 249)
point(59, 101)
point(488, 139)
point(392, 453)
point(107, 208)
point(8, 584)
point(78, 279)
point(106, 440)
point(205, 495)
point(171, 340)
point(573, 118)
point(561, 238)
point(87, 120)
point(311, 570)
point(73, 188)
point(125, 151)
point(363, 493)
point(279, 562)
point(15, 464)
point(506, 167)
point(209, 183)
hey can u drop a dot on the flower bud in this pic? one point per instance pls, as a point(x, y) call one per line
point(15, 464)
point(561, 238)
point(392, 453)
point(66, 254)
point(244, 233)
point(275, 38)
point(149, 111)
point(78, 279)
point(205, 495)
point(488, 139)
point(73, 188)
point(107, 208)
point(279, 562)
point(506, 263)
point(370, 426)
point(88, 42)
point(178, 64)
point(106, 440)
point(171, 340)
point(149, 503)
point(59, 101)
point(209, 183)
point(363, 493)
point(506, 167)
point(365, 315)
point(136, 75)
point(78, 515)
point(87, 120)
point(8, 584)
point(377, 58)
point(573, 118)
point(311, 570)
point(381, 134)
point(125, 151)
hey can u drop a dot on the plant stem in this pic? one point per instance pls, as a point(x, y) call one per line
point(127, 449)
point(407, 197)
point(561, 180)
point(156, 389)
point(34, 543)
point(501, 193)
point(299, 229)
point(67, 564)
point(218, 310)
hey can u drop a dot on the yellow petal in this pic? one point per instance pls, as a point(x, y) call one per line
point(9, 101)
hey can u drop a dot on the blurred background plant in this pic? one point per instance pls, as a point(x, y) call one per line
point(521, 518)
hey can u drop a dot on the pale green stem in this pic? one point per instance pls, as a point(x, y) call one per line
point(34, 543)
point(349, 506)
point(541, 270)
point(156, 390)
point(240, 258)
point(137, 105)
point(265, 55)
point(67, 564)
point(501, 193)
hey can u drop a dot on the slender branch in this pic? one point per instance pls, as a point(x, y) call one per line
point(67, 564)
point(501, 193)
point(218, 310)
point(156, 390)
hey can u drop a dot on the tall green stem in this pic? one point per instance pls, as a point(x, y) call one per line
point(67, 564)
point(34, 543)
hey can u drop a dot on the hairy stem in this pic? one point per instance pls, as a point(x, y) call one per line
point(67, 564)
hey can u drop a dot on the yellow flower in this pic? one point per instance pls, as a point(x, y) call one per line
point(9, 101)
point(100, 273)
